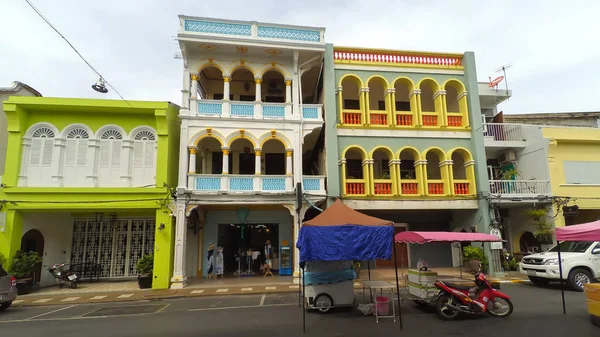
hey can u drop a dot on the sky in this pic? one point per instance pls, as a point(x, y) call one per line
point(552, 44)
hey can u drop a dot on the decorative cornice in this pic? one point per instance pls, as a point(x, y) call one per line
point(257, 80)
point(445, 162)
point(194, 77)
point(469, 163)
point(288, 83)
point(339, 89)
point(226, 79)
point(364, 89)
point(193, 150)
point(414, 92)
point(390, 91)
point(441, 92)
point(420, 162)
point(342, 161)
point(463, 94)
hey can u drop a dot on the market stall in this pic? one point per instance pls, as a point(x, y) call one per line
point(589, 232)
point(329, 243)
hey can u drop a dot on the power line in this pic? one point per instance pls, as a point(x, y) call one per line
point(76, 51)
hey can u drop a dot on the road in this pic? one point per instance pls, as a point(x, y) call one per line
point(538, 312)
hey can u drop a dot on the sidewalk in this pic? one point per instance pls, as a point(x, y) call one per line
point(128, 290)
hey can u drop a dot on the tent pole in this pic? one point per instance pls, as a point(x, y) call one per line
point(303, 304)
point(369, 269)
point(397, 286)
point(560, 273)
point(300, 290)
point(460, 263)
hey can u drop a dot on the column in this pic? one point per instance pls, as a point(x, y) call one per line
point(225, 150)
point(257, 161)
point(342, 163)
point(470, 173)
point(445, 167)
point(463, 108)
point(185, 101)
point(126, 150)
point(296, 99)
point(179, 279)
point(439, 101)
point(57, 162)
point(366, 116)
point(25, 152)
point(226, 94)
point(297, 223)
point(421, 172)
point(288, 91)
point(226, 103)
point(92, 157)
point(288, 162)
point(182, 181)
point(394, 176)
point(415, 107)
point(194, 95)
point(258, 82)
point(192, 161)
point(340, 104)
point(392, 108)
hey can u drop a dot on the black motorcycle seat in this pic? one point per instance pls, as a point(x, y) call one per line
point(456, 286)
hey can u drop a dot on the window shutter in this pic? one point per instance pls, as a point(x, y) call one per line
point(36, 151)
point(71, 152)
point(138, 155)
point(47, 154)
point(149, 155)
point(82, 150)
point(104, 153)
point(116, 154)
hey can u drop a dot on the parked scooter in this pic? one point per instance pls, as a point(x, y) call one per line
point(63, 277)
point(454, 300)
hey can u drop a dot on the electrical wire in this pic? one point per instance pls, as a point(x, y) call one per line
point(76, 51)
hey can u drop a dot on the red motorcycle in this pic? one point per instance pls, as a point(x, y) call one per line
point(454, 300)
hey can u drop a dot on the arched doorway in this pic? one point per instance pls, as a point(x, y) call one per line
point(529, 244)
point(33, 241)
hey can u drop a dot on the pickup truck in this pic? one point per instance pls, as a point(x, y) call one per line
point(580, 264)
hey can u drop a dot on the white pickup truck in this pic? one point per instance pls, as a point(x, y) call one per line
point(580, 264)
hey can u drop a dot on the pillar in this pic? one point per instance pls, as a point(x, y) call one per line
point(192, 161)
point(288, 91)
point(92, 157)
point(340, 104)
point(366, 117)
point(179, 279)
point(226, 80)
point(394, 165)
point(470, 173)
point(366, 175)
point(194, 95)
point(126, 172)
point(258, 82)
point(297, 223)
point(342, 163)
point(421, 173)
point(447, 176)
point(415, 97)
point(288, 162)
point(464, 109)
point(439, 102)
point(225, 150)
point(392, 106)
point(11, 233)
point(257, 160)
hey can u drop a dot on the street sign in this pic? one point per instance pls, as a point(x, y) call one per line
point(497, 233)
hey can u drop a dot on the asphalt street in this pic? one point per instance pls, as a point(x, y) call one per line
point(538, 312)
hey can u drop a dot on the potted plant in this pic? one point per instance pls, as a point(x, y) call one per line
point(144, 268)
point(356, 265)
point(544, 232)
point(536, 214)
point(473, 256)
point(510, 174)
point(21, 267)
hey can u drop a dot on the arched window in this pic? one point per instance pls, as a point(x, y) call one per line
point(144, 159)
point(39, 162)
point(109, 163)
point(76, 161)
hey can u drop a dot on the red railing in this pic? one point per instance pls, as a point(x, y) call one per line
point(435, 188)
point(352, 118)
point(404, 120)
point(461, 188)
point(355, 188)
point(378, 119)
point(429, 120)
point(383, 188)
point(454, 120)
point(410, 188)
point(397, 57)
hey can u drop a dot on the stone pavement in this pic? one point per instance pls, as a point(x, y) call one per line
point(128, 290)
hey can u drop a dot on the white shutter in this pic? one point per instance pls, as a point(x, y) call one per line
point(144, 158)
point(36, 152)
point(40, 158)
point(104, 174)
point(76, 162)
point(47, 154)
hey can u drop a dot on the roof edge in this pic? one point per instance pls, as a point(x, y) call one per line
point(18, 86)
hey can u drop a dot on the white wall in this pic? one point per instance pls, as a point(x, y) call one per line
point(57, 229)
point(191, 257)
point(532, 161)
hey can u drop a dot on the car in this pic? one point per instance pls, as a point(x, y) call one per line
point(580, 264)
point(8, 289)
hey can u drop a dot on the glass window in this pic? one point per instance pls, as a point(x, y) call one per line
point(572, 247)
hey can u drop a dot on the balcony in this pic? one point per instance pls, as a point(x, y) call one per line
point(257, 110)
point(514, 189)
point(503, 135)
point(254, 184)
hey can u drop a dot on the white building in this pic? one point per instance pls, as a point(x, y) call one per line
point(251, 130)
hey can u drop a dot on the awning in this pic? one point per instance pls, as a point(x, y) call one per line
point(584, 232)
point(425, 237)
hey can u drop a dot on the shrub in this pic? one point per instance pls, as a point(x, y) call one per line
point(24, 263)
point(2, 260)
point(145, 264)
point(475, 253)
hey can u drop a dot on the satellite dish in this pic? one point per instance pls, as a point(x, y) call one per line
point(99, 86)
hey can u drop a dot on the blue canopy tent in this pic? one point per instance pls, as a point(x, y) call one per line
point(340, 233)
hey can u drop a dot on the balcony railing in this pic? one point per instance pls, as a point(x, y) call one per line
point(435, 187)
point(461, 187)
point(238, 183)
point(355, 187)
point(257, 110)
point(516, 188)
point(409, 186)
point(502, 134)
point(382, 187)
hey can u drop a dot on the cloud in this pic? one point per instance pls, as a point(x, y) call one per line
point(551, 43)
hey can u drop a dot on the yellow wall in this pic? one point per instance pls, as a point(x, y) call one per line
point(572, 144)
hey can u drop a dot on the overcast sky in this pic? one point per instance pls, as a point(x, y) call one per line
point(553, 44)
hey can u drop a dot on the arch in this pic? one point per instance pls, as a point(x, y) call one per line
point(110, 127)
point(355, 147)
point(440, 153)
point(33, 241)
point(270, 67)
point(416, 154)
point(198, 136)
point(526, 240)
point(69, 131)
point(387, 84)
point(143, 133)
point(405, 79)
point(239, 65)
point(207, 64)
point(464, 152)
point(355, 78)
point(429, 80)
point(376, 95)
point(49, 130)
point(458, 85)
point(274, 135)
point(244, 135)
point(389, 151)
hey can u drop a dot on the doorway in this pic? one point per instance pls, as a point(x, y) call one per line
point(401, 252)
point(33, 241)
point(238, 238)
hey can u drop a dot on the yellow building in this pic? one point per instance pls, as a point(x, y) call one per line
point(574, 168)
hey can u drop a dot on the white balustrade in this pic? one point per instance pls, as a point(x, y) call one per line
point(240, 183)
point(500, 132)
point(515, 188)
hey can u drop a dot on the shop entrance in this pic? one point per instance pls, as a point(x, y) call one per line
point(238, 239)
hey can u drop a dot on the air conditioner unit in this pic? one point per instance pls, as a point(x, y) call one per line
point(507, 156)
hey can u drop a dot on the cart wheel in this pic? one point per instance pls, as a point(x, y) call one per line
point(323, 302)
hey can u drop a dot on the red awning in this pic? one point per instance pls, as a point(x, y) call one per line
point(584, 232)
point(425, 237)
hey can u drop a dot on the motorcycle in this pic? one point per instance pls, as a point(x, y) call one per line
point(454, 300)
point(63, 277)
